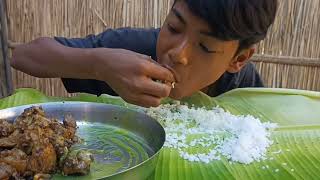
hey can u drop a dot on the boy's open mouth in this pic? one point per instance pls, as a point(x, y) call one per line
point(175, 74)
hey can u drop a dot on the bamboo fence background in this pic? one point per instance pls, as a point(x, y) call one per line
point(288, 58)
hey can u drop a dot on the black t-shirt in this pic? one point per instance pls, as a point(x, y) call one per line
point(144, 41)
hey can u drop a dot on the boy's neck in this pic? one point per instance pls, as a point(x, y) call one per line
point(205, 90)
point(210, 90)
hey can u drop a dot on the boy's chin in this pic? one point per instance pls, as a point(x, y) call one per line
point(177, 95)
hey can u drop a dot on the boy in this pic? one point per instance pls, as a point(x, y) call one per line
point(203, 45)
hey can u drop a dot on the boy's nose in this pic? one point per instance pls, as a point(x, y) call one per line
point(179, 54)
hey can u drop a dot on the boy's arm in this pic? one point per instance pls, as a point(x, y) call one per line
point(128, 73)
point(139, 40)
point(46, 58)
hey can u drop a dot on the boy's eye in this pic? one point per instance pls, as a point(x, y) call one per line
point(172, 29)
point(205, 49)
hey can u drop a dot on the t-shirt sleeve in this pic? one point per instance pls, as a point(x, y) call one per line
point(250, 77)
point(142, 41)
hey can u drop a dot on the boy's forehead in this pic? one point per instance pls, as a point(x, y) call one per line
point(192, 22)
point(199, 27)
point(183, 13)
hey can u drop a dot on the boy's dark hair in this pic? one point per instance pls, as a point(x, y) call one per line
point(245, 20)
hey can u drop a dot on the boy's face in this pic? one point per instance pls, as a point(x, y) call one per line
point(197, 59)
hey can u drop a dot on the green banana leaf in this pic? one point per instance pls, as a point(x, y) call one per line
point(295, 153)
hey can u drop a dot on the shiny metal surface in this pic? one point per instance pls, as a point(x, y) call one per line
point(137, 123)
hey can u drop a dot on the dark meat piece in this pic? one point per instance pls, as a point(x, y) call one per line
point(6, 171)
point(11, 141)
point(62, 135)
point(43, 159)
point(35, 110)
point(77, 163)
point(8, 139)
point(37, 143)
point(31, 118)
point(67, 130)
point(6, 128)
point(16, 158)
point(7, 142)
point(41, 177)
point(69, 122)
point(42, 154)
point(25, 142)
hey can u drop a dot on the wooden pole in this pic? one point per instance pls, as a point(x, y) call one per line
point(299, 61)
point(5, 69)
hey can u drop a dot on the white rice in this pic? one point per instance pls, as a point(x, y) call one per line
point(202, 135)
point(277, 152)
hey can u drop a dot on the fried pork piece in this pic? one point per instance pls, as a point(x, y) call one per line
point(7, 142)
point(34, 144)
point(63, 136)
point(8, 139)
point(31, 118)
point(69, 122)
point(77, 163)
point(15, 158)
point(6, 171)
point(6, 128)
point(43, 158)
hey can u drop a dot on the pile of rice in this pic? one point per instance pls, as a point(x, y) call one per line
point(202, 135)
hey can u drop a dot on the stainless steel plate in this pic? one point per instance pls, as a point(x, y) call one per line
point(125, 143)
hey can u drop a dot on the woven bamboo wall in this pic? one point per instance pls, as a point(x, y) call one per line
point(295, 33)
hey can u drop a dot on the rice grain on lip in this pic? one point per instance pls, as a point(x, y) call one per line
point(242, 139)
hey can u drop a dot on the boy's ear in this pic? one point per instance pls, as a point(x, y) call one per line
point(240, 60)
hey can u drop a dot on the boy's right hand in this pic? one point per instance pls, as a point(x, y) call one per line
point(130, 75)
